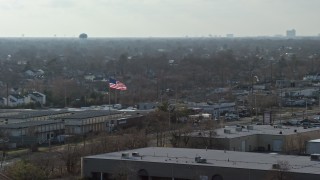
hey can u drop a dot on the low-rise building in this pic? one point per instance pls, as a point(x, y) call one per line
point(215, 109)
point(38, 97)
point(10, 117)
point(313, 146)
point(32, 132)
point(90, 121)
point(3, 101)
point(186, 164)
point(277, 138)
point(17, 100)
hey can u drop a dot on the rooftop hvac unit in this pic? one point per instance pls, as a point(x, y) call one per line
point(227, 131)
point(238, 129)
point(315, 157)
point(135, 154)
point(199, 159)
point(250, 127)
point(125, 155)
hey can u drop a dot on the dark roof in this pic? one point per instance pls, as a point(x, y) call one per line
point(17, 96)
point(36, 94)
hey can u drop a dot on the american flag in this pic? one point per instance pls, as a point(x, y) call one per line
point(114, 84)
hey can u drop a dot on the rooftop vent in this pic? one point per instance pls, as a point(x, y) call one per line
point(250, 127)
point(315, 157)
point(199, 159)
point(280, 132)
point(125, 155)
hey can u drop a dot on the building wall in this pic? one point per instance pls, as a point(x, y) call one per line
point(297, 142)
point(171, 169)
point(245, 143)
point(293, 143)
point(85, 128)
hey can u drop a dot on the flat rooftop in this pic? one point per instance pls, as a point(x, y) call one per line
point(220, 158)
point(32, 114)
point(90, 114)
point(257, 129)
point(28, 124)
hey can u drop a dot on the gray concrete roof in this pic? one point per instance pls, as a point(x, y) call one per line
point(32, 114)
point(90, 114)
point(301, 164)
point(257, 129)
point(27, 124)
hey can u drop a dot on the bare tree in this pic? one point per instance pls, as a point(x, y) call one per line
point(279, 171)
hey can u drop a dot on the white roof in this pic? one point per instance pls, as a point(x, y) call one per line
point(315, 141)
point(246, 160)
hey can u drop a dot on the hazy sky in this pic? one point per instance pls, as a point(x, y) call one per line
point(157, 18)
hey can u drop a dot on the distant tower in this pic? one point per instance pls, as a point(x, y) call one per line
point(291, 33)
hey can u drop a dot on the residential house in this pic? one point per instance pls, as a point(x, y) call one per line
point(312, 77)
point(3, 101)
point(89, 77)
point(146, 106)
point(38, 97)
point(17, 100)
point(30, 73)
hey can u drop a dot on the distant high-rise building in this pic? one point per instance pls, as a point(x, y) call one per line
point(291, 33)
point(229, 36)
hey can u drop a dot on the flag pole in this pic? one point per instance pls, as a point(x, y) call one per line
point(109, 98)
point(115, 96)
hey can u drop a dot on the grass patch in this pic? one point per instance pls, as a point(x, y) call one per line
point(18, 152)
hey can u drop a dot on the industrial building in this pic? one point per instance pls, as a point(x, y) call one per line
point(269, 138)
point(313, 147)
point(32, 132)
point(183, 164)
point(90, 121)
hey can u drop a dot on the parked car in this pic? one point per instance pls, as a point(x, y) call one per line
point(292, 123)
point(317, 118)
point(232, 117)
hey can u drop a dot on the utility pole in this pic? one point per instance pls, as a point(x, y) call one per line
point(319, 101)
point(7, 95)
point(306, 109)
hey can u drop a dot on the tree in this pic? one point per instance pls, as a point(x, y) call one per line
point(71, 157)
point(25, 170)
point(83, 36)
point(180, 138)
point(280, 171)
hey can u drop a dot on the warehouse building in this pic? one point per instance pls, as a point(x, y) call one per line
point(90, 121)
point(186, 164)
point(32, 132)
point(270, 138)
